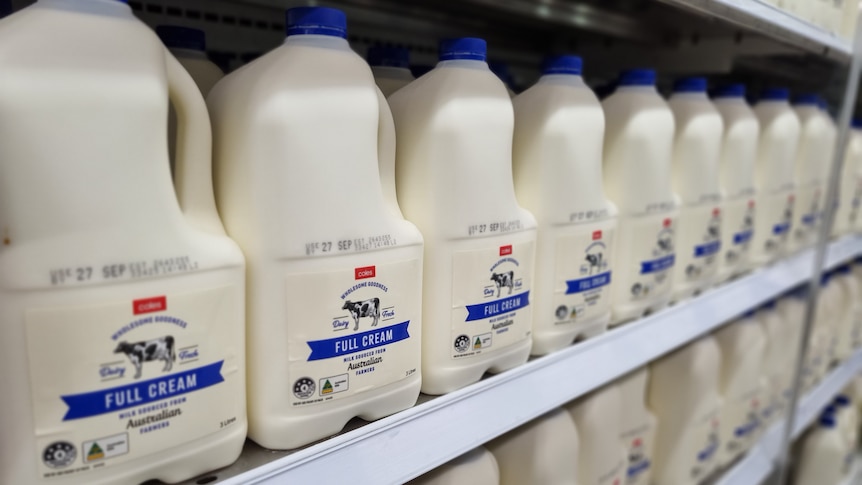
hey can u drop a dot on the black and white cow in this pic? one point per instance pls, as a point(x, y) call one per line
point(504, 280)
point(665, 244)
point(149, 351)
point(595, 261)
point(365, 308)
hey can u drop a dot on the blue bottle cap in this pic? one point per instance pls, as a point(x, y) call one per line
point(316, 21)
point(750, 313)
point(388, 56)
point(769, 305)
point(563, 65)
point(824, 279)
point(827, 421)
point(842, 400)
point(857, 123)
point(807, 99)
point(690, 85)
point(637, 77)
point(843, 269)
point(470, 48)
point(177, 37)
point(775, 94)
point(730, 91)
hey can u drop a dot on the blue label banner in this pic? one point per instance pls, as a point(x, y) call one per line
point(707, 249)
point(139, 393)
point(780, 229)
point(497, 307)
point(589, 283)
point(742, 237)
point(358, 342)
point(746, 428)
point(656, 265)
point(708, 452)
point(809, 219)
point(639, 468)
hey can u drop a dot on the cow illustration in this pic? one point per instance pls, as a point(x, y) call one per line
point(665, 244)
point(713, 231)
point(364, 308)
point(149, 351)
point(595, 261)
point(502, 280)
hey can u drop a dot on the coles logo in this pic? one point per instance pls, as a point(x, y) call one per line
point(666, 222)
point(150, 305)
point(716, 211)
point(365, 272)
point(505, 250)
point(597, 235)
point(751, 204)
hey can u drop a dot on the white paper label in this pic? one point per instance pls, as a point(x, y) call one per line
point(639, 448)
point(737, 231)
point(655, 256)
point(699, 243)
point(707, 440)
point(774, 221)
point(582, 276)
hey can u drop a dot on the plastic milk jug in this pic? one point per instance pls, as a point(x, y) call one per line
point(774, 175)
point(822, 455)
point(391, 68)
point(544, 450)
point(557, 157)
point(122, 303)
point(743, 345)
point(847, 218)
point(736, 174)
point(602, 459)
point(188, 45)
point(684, 395)
point(813, 157)
point(695, 176)
point(454, 180)
point(848, 313)
point(477, 467)
point(637, 179)
point(334, 298)
point(637, 427)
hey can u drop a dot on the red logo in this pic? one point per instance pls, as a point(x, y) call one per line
point(716, 211)
point(505, 250)
point(751, 204)
point(365, 272)
point(666, 223)
point(597, 235)
point(150, 305)
point(636, 442)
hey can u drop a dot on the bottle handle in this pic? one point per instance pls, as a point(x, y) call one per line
point(386, 152)
point(193, 180)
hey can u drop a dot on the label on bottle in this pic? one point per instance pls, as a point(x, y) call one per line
point(699, 243)
point(743, 419)
point(352, 330)
point(654, 252)
point(706, 435)
point(582, 276)
point(614, 475)
point(117, 382)
point(774, 220)
point(639, 443)
point(491, 298)
point(738, 231)
point(808, 208)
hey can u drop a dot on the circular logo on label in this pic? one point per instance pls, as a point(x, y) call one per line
point(562, 312)
point(462, 343)
point(303, 387)
point(59, 454)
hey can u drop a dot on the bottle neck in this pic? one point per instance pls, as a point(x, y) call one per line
point(317, 40)
point(110, 8)
point(463, 64)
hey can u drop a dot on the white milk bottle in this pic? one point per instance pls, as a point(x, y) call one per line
point(736, 174)
point(683, 393)
point(476, 467)
point(743, 345)
point(637, 427)
point(544, 450)
point(637, 179)
point(557, 156)
point(784, 323)
point(850, 188)
point(188, 45)
point(816, 142)
point(847, 329)
point(334, 316)
point(774, 175)
point(454, 178)
point(822, 455)
point(695, 176)
point(121, 298)
point(391, 68)
point(602, 459)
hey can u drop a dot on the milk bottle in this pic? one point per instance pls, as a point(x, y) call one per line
point(848, 420)
point(736, 174)
point(334, 298)
point(454, 178)
point(774, 175)
point(477, 467)
point(784, 324)
point(121, 298)
point(637, 179)
point(391, 68)
point(697, 145)
point(188, 45)
point(602, 459)
point(823, 342)
point(683, 393)
point(850, 189)
point(848, 313)
point(637, 427)
point(816, 142)
point(557, 156)
point(742, 344)
point(822, 455)
point(544, 450)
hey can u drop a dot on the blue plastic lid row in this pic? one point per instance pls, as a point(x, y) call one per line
point(690, 85)
point(842, 400)
point(316, 21)
point(388, 56)
point(807, 99)
point(730, 91)
point(572, 65)
point(177, 37)
point(775, 94)
point(637, 77)
point(467, 48)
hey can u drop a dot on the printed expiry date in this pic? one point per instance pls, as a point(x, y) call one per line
point(119, 271)
point(347, 245)
point(494, 227)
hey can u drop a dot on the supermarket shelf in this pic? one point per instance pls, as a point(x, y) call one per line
point(758, 464)
point(440, 429)
point(771, 21)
